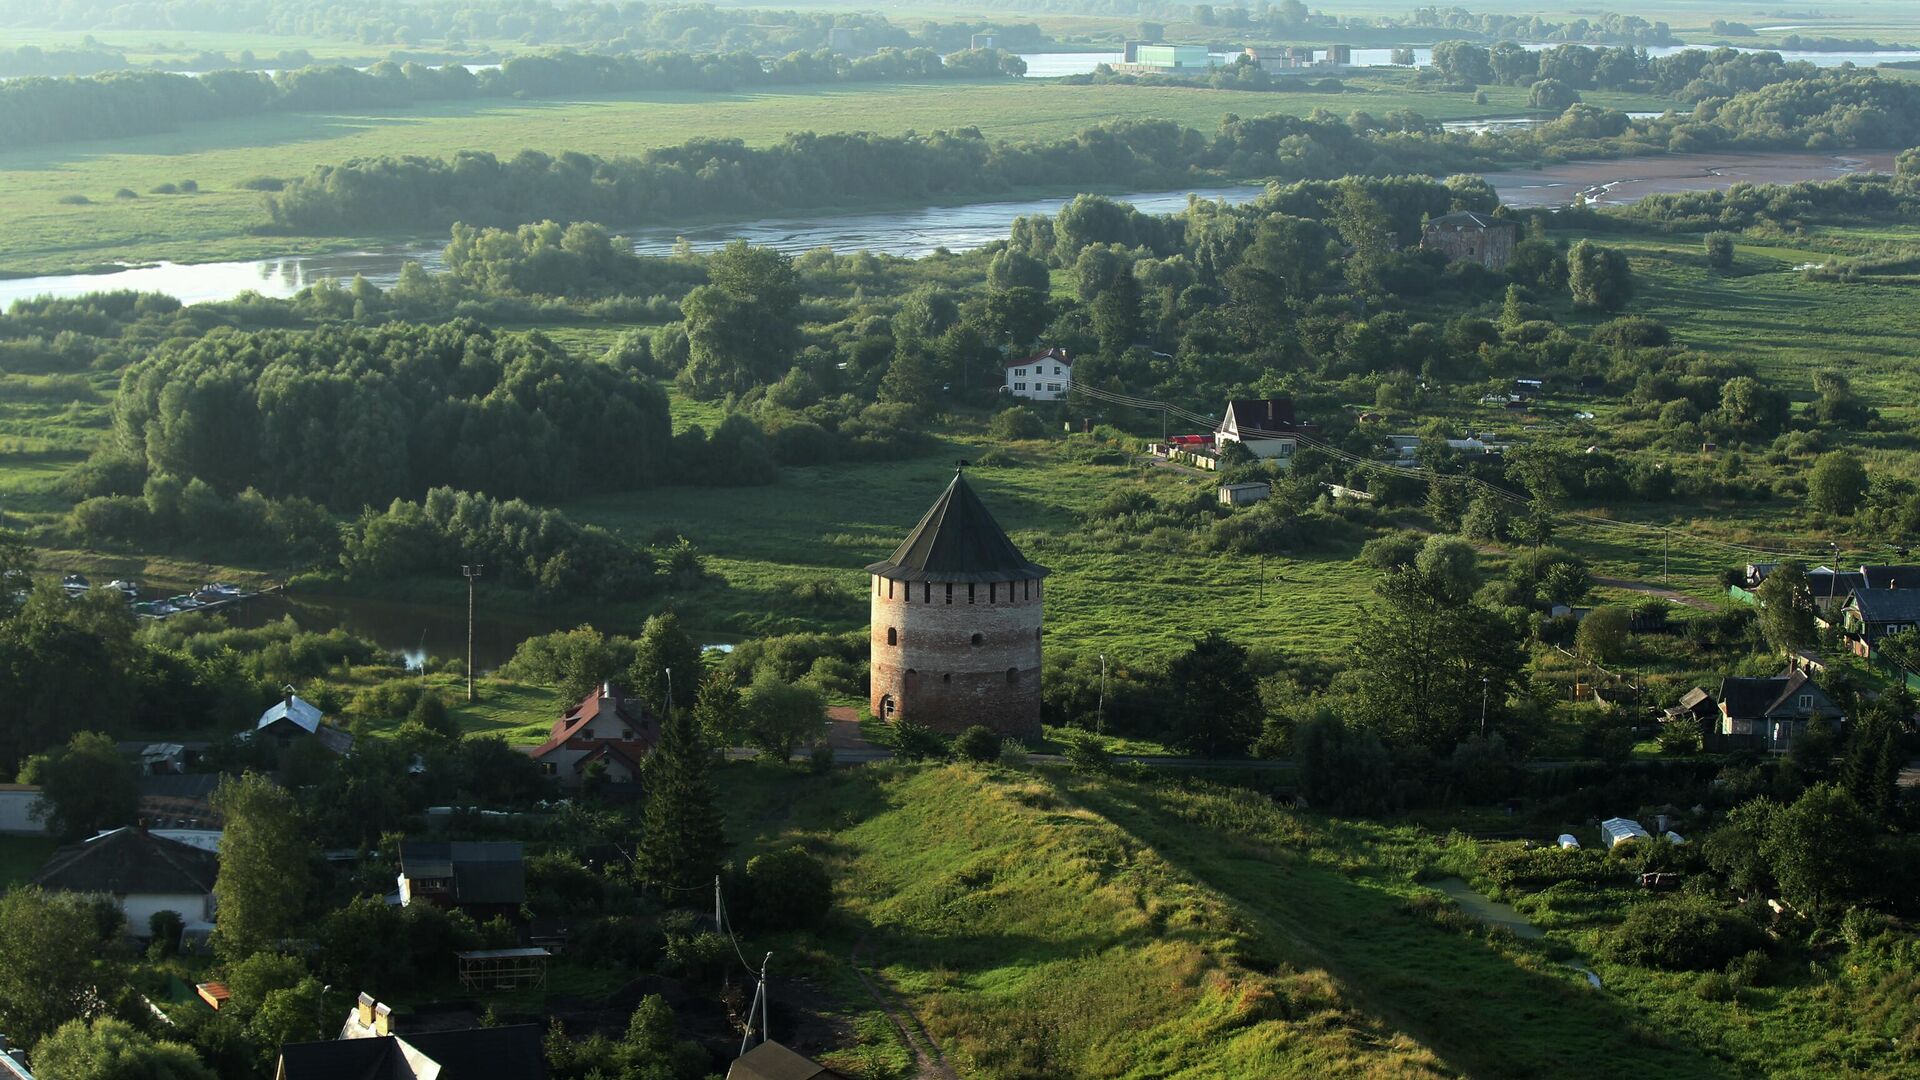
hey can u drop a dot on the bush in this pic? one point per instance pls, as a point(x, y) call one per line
point(1683, 934)
point(917, 742)
point(788, 890)
point(1719, 250)
point(165, 927)
point(75, 199)
point(126, 193)
point(978, 743)
point(1085, 754)
point(263, 183)
point(1018, 422)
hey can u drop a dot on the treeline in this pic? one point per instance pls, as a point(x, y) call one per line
point(43, 110)
point(30, 60)
point(353, 416)
point(1607, 27)
point(805, 169)
point(455, 23)
point(521, 545)
point(1689, 75)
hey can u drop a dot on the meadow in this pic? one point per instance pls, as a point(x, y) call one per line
point(220, 221)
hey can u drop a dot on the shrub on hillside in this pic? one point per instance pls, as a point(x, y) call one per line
point(1682, 934)
point(978, 743)
point(788, 890)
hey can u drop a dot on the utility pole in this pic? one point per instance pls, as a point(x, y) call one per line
point(1483, 706)
point(1665, 539)
point(471, 571)
point(1100, 717)
point(1262, 560)
point(669, 709)
point(719, 923)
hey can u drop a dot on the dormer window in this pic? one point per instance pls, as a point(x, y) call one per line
point(1806, 702)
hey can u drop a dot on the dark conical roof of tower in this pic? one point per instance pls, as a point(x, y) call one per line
point(958, 541)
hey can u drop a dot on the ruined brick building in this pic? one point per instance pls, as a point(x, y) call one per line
point(957, 624)
point(1472, 237)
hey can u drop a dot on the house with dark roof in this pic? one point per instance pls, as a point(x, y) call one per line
point(293, 719)
point(1890, 577)
point(1872, 614)
point(481, 878)
point(772, 1061)
point(606, 726)
point(1045, 376)
point(1266, 426)
point(956, 616)
point(1770, 713)
point(145, 874)
point(513, 1052)
point(1470, 236)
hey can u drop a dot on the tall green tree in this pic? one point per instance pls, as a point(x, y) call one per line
point(716, 711)
point(779, 715)
point(1219, 699)
point(664, 645)
point(1427, 664)
point(1836, 483)
point(741, 328)
point(86, 785)
point(53, 964)
point(1821, 849)
point(681, 836)
point(265, 878)
point(1787, 608)
point(1598, 277)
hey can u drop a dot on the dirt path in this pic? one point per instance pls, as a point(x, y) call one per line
point(843, 729)
point(928, 1062)
point(1661, 591)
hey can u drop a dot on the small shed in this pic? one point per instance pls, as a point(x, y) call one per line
point(503, 969)
point(215, 994)
point(1243, 494)
point(1569, 841)
point(772, 1061)
point(1619, 830)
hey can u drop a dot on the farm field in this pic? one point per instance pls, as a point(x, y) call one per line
point(219, 221)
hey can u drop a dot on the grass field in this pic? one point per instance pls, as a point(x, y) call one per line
point(45, 235)
point(1048, 925)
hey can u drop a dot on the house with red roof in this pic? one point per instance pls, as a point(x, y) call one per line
point(605, 726)
point(1045, 376)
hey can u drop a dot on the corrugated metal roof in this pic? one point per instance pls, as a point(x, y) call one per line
point(295, 708)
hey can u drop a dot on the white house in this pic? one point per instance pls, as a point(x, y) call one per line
point(19, 811)
point(144, 873)
point(1263, 425)
point(1045, 376)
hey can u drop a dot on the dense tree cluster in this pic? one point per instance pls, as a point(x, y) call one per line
point(1688, 75)
point(356, 416)
point(46, 110)
point(526, 546)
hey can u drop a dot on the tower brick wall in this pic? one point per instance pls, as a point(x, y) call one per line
point(950, 661)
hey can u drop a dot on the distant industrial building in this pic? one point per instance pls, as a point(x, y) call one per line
point(1173, 57)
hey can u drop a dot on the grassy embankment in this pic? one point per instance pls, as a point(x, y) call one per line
point(1045, 925)
point(45, 235)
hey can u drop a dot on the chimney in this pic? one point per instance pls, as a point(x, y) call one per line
point(383, 1019)
point(606, 689)
point(364, 1010)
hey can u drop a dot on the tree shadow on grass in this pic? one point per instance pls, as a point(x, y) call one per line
point(1470, 1001)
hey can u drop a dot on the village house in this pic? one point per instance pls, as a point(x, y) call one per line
point(145, 874)
point(1470, 236)
point(1872, 614)
point(1770, 713)
point(1265, 426)
point(606, 726)
point(1045, 376)
point(481, 878)
point(20, 811)
point(293, 719)
point(368, 1048)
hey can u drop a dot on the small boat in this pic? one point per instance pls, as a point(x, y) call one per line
point(160, 609)
point(184, 602)
point(224, 588)
point(75, 583)
point(131, 588)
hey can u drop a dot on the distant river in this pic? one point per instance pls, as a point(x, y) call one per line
point(915, 233)
point(906, 233)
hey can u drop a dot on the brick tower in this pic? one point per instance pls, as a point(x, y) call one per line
point(956, 623)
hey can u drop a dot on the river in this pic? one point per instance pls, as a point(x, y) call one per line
point(907, 233)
